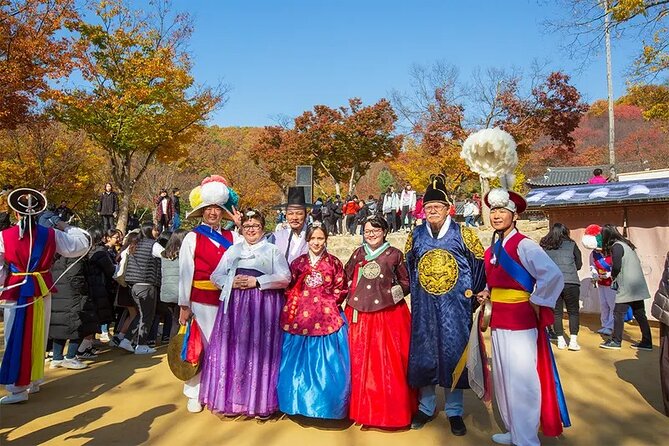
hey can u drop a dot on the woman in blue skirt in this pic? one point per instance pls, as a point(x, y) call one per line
point(315, 377)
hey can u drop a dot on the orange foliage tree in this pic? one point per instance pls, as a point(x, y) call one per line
point(341, 144)
point(34, 49)
point(46, 156)
point(216, 150)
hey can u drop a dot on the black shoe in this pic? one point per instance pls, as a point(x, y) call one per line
point(457, 426)
point(151, 344)
point(610, 344)
point(552, 335)
point(87, 354)
point(419, 420)
point(640, 346)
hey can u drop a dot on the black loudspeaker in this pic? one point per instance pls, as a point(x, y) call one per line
point(304, 176)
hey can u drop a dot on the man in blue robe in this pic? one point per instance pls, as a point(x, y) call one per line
point(445, 262)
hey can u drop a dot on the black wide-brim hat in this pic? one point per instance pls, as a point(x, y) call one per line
point(436, 190)
point(27, 201)
point(296, 197)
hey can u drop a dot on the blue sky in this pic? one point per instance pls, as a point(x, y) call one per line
point(282, 57)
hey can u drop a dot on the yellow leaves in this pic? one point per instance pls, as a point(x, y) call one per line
point(625, 9)
point(415, 164)
point(47, 156)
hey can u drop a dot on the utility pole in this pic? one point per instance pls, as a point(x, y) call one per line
point(609, 80)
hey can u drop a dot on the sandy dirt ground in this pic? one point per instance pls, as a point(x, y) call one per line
point(123, 399)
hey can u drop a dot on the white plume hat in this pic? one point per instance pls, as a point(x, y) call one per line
point(490, 153)
point(499, 198)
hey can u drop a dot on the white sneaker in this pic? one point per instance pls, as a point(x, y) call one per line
point(14, 398)
point(573, 343)
point(561, 343)
point(34, 387)
point(126, 345)
point(73, 364)
point(104, 337)
point(144, 350)
point(194, 405)
point(56, 363)
point(504, 438)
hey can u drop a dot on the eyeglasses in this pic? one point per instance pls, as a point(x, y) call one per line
point(373, 231)
point(247, 227)
point(434, 208)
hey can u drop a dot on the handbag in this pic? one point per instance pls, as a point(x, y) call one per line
point(119, 274)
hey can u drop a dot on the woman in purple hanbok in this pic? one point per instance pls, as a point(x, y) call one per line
point(241, 365)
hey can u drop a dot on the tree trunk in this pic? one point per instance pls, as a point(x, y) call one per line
point(123, 209)
point(485, 211)
point(337, 189)
point(351, 182)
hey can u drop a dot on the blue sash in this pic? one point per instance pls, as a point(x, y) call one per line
point(39, 243)
point(599, 258)
point(11, 360)
point(513, 268)
point(213, 235)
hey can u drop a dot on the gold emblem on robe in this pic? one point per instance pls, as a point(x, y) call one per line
point(472, 242)
point(438, 271)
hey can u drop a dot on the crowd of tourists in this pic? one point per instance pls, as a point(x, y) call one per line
point(288, 327)
point(402, 211)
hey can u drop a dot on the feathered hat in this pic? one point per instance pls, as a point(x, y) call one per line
point(490, 153)
point(592, 238)
point(505, 199)
point(213, 190)
point(436, 190)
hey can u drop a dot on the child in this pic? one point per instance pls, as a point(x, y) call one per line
point(315, 373)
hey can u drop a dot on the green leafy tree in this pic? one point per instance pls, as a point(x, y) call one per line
point(385, 180)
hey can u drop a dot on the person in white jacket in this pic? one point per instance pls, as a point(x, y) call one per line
point(408, 205)
point(391, 205)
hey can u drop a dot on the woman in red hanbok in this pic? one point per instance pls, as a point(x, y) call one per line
point(379, 332)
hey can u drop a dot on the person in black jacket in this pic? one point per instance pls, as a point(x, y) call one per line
point(99, 274)
point(176, 206)
point(362, 215)
point(142, 277)
point(108, 207)
point(68, 318)
point(338, 215)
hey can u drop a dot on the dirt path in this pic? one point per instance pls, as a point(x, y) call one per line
point(122, 399)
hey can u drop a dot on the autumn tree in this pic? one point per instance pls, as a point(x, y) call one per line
point(216, 150)
point(276, 153)
point(35, 48)
point(652, 99)
point(46, 156)
point(641, 142)
point(545, 115)
point(139, 101)
point(584, 26)
point(340, 143)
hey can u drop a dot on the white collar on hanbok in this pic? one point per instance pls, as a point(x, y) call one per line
point(443, 230)
point(313, 259)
